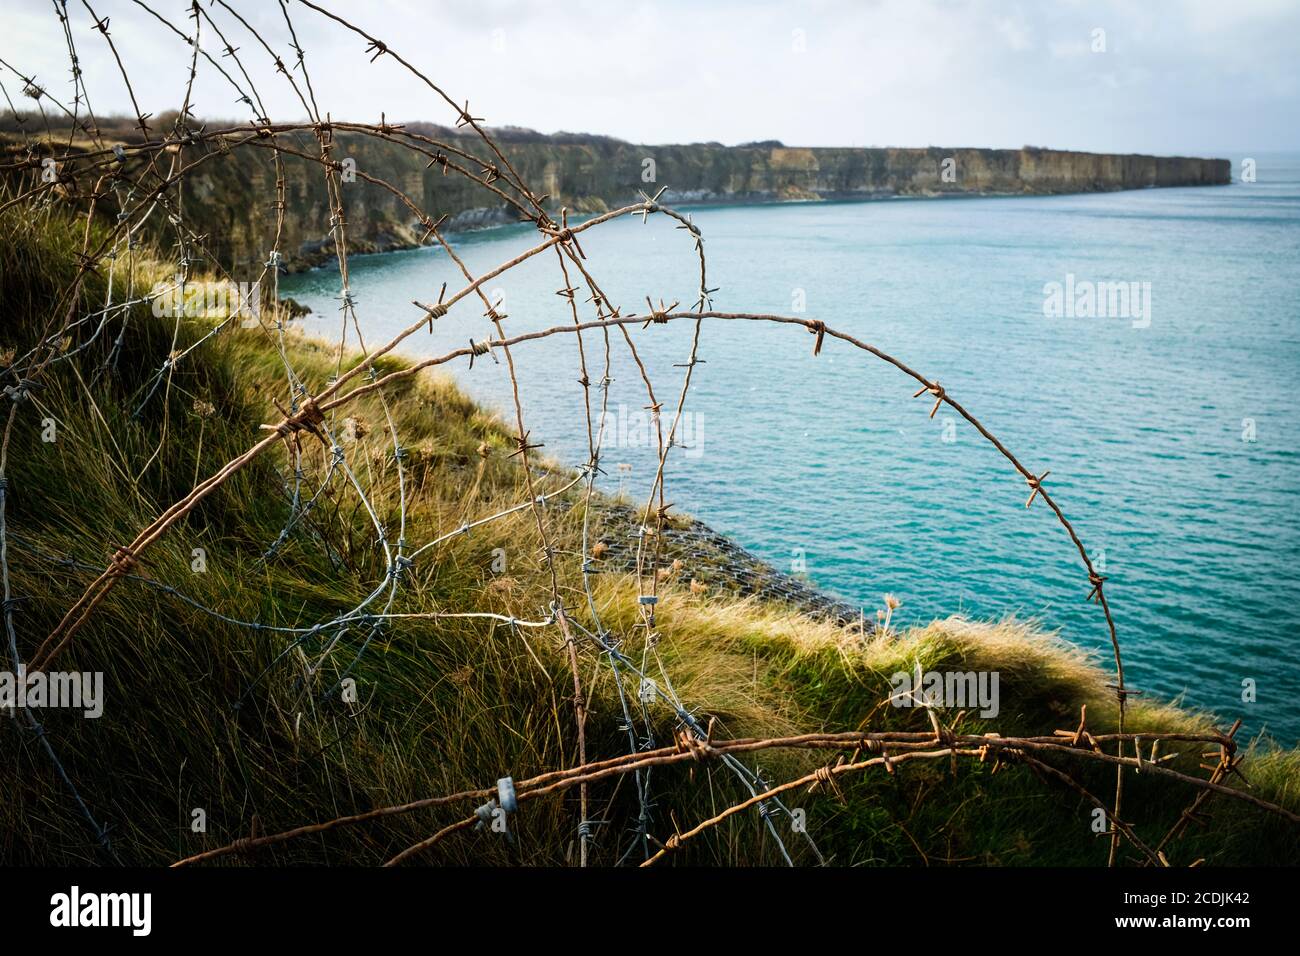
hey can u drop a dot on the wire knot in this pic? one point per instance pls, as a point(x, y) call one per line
point(20, 391)
point(818, 329)
point(479, 348)
point(465, 119)
point(562, 234)
point(308, 418)
point(523, 446)
point(688, 743)
point(935, 389)
point(1124, 693)
point(123, 560)
point(1037, 485)
point(660, 315)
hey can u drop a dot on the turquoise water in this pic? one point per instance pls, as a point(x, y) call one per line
point(827, 463)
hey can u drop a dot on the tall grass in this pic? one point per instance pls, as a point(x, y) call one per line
point(238, 723)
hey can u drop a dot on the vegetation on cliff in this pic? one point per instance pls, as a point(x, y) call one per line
point(247, 725)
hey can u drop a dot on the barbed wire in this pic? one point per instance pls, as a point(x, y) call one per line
point(146, 177)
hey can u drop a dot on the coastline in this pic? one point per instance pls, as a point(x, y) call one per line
point(486, 220)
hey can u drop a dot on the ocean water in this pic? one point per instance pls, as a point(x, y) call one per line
point(1171, 431)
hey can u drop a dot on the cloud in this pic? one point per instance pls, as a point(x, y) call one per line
point(1191, 76)
point(1017, 32)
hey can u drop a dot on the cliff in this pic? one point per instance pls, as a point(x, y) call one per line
point(590, 174)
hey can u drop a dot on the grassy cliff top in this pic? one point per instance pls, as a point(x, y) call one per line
point(248, 725)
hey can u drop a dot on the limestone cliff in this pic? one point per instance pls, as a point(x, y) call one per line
point(230, 197)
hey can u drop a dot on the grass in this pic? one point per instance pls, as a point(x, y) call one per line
point(205, 715)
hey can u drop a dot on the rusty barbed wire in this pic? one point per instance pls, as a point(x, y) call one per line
point(146, 179)
point(889, 749)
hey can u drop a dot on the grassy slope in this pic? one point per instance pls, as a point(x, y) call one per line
point(452, 704)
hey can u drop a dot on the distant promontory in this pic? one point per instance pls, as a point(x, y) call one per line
point(590, 174)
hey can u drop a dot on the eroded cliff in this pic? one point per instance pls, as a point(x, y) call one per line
point(230, 197)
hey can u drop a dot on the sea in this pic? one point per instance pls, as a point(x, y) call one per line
point(1141, 346)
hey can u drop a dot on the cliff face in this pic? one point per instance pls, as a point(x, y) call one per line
point(229, 197)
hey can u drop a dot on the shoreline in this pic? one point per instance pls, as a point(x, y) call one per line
point(693, 550)
point(486, 220)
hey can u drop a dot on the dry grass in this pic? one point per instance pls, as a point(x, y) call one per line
point(205, 714)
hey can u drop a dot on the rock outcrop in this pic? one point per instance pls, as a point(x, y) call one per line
point(229, 197)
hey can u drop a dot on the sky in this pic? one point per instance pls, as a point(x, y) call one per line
point(1190, 77)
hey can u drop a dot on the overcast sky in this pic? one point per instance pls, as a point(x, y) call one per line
point(1176, 76)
